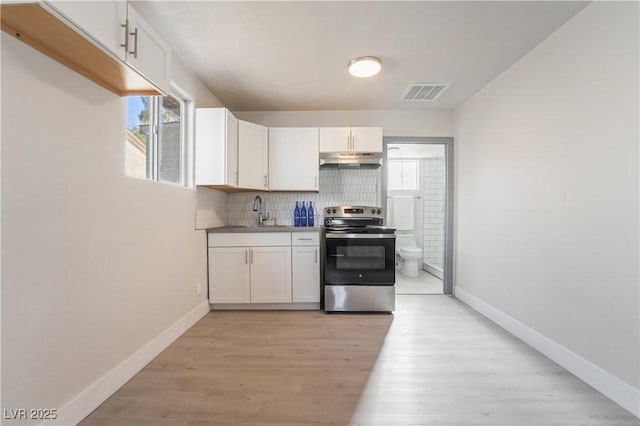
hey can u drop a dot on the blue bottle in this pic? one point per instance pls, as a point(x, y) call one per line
point(296, 215)
point(303, 215)
point(310, 217)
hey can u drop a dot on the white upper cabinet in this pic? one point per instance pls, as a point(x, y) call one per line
point(103, 21)
point(293, 159)
point(253, 156)
point(351, 139)
point(335, 139)
point(366, 139)
point(147, 52)
point(216, 147)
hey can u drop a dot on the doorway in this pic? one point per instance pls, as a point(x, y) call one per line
point(417, 189)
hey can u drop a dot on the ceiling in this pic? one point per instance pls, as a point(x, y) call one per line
point(292, 56)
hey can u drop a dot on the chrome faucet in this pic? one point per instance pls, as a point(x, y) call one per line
point(257, 207)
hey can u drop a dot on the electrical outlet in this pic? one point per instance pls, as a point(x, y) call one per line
point(198, 289)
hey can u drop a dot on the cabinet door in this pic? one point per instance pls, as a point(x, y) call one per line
point(229, 279)
point(293, 159)
point(270, 274)
point(216, 147)
point(366, 139)
point(335, 139)
point(231, 149)
point(147, 52)
point(103, 21)
point(305, 269)
point(252, 155)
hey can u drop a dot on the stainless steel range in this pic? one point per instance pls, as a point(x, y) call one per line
point(359, 260)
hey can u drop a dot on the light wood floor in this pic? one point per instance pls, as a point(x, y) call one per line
point(434, 362)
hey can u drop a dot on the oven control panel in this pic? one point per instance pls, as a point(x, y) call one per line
point(353, 212)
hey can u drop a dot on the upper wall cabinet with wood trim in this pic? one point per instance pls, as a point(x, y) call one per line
point(105, 41)
point(100, 20)
point(147, 52)
point(351, 139)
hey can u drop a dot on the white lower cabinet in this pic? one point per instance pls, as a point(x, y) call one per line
point(264, 267)
point(229, 275)
point(306, 274)
point(270, 274)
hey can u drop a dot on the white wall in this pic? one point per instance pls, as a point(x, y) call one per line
point(547, 192)
point(394, 123)
point(95, 264)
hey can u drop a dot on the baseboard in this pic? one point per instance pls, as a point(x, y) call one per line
point(300, 306)
point(88, 400)
point(615, 389)
point(433, 270)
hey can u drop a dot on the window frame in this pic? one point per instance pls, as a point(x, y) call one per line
point(186, 138)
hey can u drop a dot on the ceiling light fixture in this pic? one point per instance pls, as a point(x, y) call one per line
point(365, 66)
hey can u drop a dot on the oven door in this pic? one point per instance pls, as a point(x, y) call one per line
point(360, 259)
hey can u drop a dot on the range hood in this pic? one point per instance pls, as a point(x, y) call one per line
point(350, 160)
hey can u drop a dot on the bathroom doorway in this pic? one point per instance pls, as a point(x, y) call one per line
point(416, 190)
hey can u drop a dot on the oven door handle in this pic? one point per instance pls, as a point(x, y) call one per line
point(328, 235)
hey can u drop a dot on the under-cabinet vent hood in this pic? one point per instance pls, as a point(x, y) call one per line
point(351, 160)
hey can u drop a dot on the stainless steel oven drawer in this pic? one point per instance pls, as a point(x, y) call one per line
point(359, 298)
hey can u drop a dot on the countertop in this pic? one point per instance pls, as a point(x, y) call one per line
point(236, 229)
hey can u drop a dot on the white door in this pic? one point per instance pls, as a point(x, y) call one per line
point(229, 279)
point(147, 52)
point(366, 139)
point(305, 268)
point(252, 155)
point(270, 274)
point(335, 139)
point(102, 20)
point(293, 158)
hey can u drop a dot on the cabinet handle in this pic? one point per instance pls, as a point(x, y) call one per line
point(316, 251)
point(246, 260)
point(265, 181)
point(251, 256)
point(135, 43)
point(304, 239)
point(315, 181)
point(126, 35)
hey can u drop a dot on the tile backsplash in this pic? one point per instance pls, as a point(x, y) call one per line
point(337, 187)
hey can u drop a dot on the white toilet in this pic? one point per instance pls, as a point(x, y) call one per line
point(408, 255)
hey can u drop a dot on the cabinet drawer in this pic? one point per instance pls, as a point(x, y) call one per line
point(305, 239)
point(254, 239)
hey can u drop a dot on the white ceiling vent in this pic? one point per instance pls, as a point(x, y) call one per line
point(426, 92)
